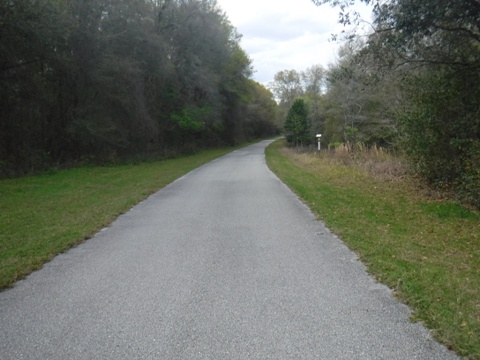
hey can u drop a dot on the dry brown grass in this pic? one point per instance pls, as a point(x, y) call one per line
point(375, 161)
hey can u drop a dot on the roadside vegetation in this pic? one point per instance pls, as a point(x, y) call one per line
point(408, 82)
point(103, 81)
point(42, 216)
point(426, 248)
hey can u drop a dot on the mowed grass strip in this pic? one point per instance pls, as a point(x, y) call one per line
point(42, 216)
point(427, 251)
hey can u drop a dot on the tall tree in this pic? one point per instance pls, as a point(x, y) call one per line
point(313, 80)
point(314, 86)
point(297, 125)
point(286, 86)
point(261, 111)
point(360, 102)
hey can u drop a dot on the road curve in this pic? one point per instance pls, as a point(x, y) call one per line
point(224, 263)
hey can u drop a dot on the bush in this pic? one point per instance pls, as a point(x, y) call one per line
point(442, 131)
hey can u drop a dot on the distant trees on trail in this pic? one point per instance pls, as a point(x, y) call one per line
point(411, 84)
point(108, 80)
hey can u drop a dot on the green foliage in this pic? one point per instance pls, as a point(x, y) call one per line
point(289, 85)
point(431, 31)
point(442, 131)
point(351, 134)
point(424, 32)
point(421, 66)
point(113, 80)
point(297, 125)
point(261, 110)
point(360, 103)
point(191, 120)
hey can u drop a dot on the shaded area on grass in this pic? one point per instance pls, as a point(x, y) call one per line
point(427, 251)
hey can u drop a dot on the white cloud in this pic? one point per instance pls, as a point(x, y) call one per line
point(284, 34)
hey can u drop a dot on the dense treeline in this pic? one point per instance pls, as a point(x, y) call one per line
point(411, 85)
point(106, 80)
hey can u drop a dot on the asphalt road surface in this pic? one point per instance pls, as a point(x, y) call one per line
point(224, 263)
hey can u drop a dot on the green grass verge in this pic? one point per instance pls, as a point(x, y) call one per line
point(42, 216)
point(427, 251)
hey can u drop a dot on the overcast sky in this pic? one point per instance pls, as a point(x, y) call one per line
point(284, 34)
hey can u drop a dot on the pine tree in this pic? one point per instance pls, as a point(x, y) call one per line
point(297, 124)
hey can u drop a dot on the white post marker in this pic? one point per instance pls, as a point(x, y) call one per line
point(318, 138)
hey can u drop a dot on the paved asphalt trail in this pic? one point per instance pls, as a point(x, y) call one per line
point(224, 263)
